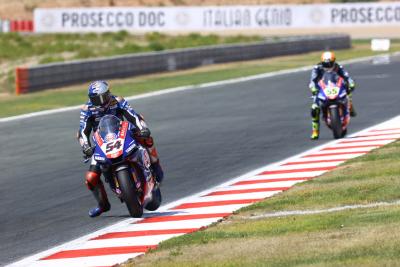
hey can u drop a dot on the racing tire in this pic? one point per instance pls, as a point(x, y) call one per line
point(155, 200)
point(336, 123)
point(344, 132)
point(129, 193)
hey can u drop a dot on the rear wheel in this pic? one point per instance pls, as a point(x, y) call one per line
point(156, 200)
point(129, 193)
point(344, 132)
point(336, 123)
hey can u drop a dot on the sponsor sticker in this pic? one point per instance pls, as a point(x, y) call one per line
point(110, 137)
point(130, 148)
point(99, 158)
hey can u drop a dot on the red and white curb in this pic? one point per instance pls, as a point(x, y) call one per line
point(133, 237)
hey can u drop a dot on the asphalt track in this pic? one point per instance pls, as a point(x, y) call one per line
point(204, 137)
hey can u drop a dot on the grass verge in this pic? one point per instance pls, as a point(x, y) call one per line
point(358, 237)
point(17, 49)
point(75, 95)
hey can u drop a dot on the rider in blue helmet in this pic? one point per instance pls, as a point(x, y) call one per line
point(101, 102)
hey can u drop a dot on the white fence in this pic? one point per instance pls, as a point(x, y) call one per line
point(215, 18)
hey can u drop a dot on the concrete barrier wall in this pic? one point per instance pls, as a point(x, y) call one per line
point(69, 73)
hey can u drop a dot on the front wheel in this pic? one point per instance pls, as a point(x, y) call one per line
point(129, 193)
point(336, 123)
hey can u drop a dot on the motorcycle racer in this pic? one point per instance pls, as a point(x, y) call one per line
point(101, 102)
point(328, 63)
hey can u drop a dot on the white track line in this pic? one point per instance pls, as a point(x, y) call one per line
point(191, 87)
point(336, 209)
point(219, 211)
point(189, 207)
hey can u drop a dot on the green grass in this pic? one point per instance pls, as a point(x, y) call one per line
point(75, 95)
point(357, 237)
point(378, 182)
point(14, 46)
point(17, 49)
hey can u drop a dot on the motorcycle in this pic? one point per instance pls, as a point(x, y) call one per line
point(334, 103)
point(114, 146)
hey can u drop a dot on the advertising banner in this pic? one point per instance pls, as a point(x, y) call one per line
point(215, 18)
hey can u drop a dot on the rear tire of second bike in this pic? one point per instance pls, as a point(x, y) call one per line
point(155, 201)
point(336, 123)
point(129, 193)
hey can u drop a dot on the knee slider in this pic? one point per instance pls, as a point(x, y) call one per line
point(149, 141)
point(145, 141)
point(92, 179)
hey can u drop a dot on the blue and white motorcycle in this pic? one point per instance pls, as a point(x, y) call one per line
point(115, 148)
point(334, 103)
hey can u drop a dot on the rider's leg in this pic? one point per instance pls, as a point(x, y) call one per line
point(108, 176)
point(315, 112)
point(95, 185)
point(353, 112)
point(142, 159)
point(148, 143)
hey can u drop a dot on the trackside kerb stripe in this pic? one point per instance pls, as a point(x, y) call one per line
point(93, 252)
point(385, 130)
point(184, 217)
point(298, 170)
point(98, 252)
point(193, 204)
point(244, 191)
point(336, 154)
point(365, 141)
point(313, 161)
point(382, 134)
point(144, 233)
point(348, 147)
point(215, 203)
point(263, 181)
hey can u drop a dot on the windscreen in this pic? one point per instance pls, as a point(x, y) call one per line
point(330, 77)
point(109, 126)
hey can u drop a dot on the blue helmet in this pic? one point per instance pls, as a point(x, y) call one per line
point(99, 94)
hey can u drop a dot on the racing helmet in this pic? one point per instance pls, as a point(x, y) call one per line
point(328, 59)
point(99, 93)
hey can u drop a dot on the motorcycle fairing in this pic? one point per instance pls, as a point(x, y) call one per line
point(331, 88)
point(110, 145)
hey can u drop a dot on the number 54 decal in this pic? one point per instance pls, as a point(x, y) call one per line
point(113, 145)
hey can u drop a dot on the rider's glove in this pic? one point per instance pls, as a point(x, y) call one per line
point(145, 132)
point(313, 89)
point(87, 150)
point(352, 85)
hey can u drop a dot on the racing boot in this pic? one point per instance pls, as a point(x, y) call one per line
point(97, 211)
point(315, 130)
point(95, 185)
point(315, 109)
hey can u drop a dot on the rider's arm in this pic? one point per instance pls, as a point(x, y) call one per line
point(131, 115)
point(85, 127)
point(315, 76)
point(345, 75)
